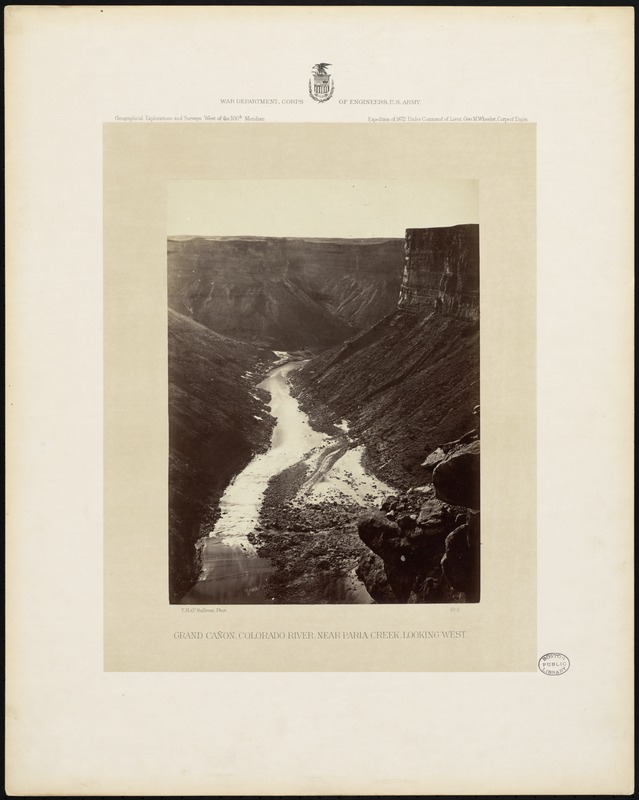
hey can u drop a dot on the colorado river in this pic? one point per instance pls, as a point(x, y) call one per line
point(232, 571)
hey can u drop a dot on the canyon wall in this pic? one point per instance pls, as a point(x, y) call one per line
point(441, 271)
point(284, 293)
point(218, 419)
point(411, 381)
point(409, 386)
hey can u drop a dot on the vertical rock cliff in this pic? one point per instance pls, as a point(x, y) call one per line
point(441, 271)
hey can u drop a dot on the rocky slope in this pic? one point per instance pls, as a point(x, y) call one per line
point(217, 421)
point(426, 543)
point(409, 387)
point(411, 381)
point(284, 293)
point(314, 547)
point(406, 386)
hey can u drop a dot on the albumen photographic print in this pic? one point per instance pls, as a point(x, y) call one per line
point(323, 395)
point(295, 345)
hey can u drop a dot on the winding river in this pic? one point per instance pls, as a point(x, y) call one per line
point(232, 571)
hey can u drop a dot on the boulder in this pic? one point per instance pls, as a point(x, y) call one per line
point(460, 562)
point(407, 522)
point(379, 533)
point(431, 513)
point(370, 570)
point(390, 503)
point(434, 589)
point(427, 490)
point(474, 528)
point(434, 458)
point(456, 479)
point(405, 554)
point(386, 583)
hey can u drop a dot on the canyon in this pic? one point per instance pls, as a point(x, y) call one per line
point(284, 293)
point(386, 507)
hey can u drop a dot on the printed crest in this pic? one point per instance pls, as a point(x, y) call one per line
point(321, 84)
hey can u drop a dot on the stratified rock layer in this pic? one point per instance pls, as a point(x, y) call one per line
point(441, 271)
point(285, 293)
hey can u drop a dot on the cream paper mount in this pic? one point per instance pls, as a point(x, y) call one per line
point(75, 729)
point(142, 632)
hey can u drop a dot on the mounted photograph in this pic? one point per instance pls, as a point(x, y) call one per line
point(324, 392)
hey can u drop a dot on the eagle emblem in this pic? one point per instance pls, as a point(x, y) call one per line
point(321, 84)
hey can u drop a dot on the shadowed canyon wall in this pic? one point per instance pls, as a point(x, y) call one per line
point(218, 420)
point(284, 293)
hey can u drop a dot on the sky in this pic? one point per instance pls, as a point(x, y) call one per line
point(318, 208)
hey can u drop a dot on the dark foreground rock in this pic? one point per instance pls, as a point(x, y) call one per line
point(425, 545)
point(456, 479)
point(460, 562)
